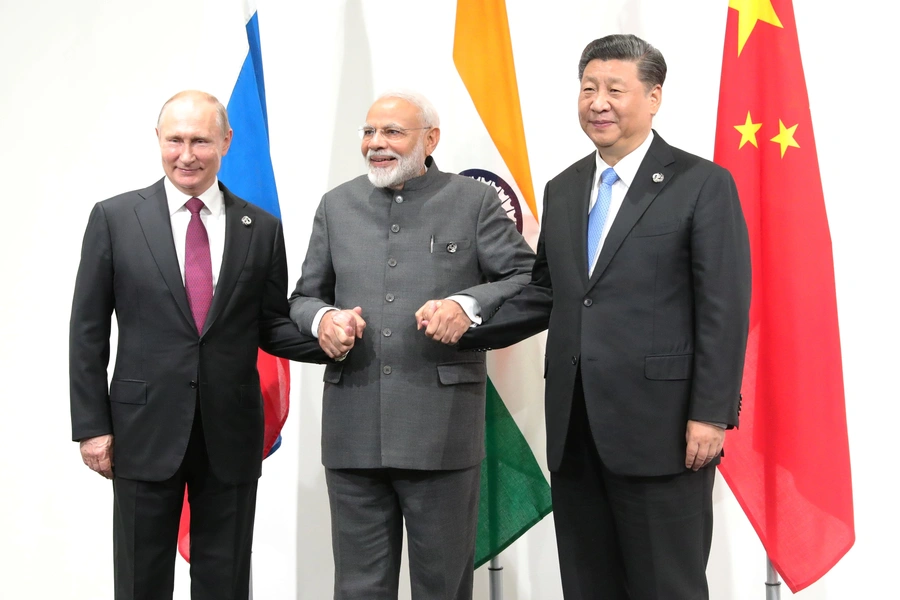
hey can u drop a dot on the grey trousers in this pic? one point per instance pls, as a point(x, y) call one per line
point(368, 509)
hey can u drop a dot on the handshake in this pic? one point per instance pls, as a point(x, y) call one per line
point(443, 320)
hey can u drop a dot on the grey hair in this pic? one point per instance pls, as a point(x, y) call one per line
point(221, 111)
point(426, 108)
point(650, 62)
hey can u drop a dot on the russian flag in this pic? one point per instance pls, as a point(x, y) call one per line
point(247, 171)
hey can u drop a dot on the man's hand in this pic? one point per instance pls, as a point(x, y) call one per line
point(97, 454)
point(444, 320)
point(704, 443)
point(339, 330)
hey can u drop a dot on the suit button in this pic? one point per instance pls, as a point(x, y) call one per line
point(395, 228)
point(386, 369)
point(574, 360)
point(588, 302)
point(399, 199)
point(386, 332)
point(194, 385)
point(392, 262)
point(389, 297)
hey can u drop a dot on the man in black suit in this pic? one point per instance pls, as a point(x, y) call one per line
point(197, 278)
point(643, 278)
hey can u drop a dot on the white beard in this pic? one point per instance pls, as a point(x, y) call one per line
point(407, 167)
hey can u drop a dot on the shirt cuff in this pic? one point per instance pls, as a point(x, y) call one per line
point(318, 319)
point(470, 306)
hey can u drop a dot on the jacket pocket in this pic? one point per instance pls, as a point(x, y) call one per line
point(669, 366)
point(128, 391)
point(333, 373)
point(466, 372)
point(652, 229)
point(450, 246)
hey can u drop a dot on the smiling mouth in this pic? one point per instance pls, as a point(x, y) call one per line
point(381, 161)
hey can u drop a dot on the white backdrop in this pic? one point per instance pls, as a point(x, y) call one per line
point(81, 82)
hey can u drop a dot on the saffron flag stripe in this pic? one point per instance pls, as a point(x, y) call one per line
point(247, 171)
point(788, 463)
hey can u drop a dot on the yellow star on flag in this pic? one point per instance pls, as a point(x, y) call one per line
point(749, 13)
point(785, 137)
point(748, 131)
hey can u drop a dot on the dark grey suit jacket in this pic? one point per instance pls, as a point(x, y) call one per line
point(400, 399)
point(128, 265)
point(659, 330)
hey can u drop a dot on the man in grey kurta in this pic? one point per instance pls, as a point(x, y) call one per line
point(403, 415)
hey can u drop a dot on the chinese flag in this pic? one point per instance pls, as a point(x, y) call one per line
point(788, 464)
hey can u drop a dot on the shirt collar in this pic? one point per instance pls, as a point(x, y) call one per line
point(213, 198)
point(628, 166)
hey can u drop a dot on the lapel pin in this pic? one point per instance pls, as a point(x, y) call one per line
point(658, 177)
point(451, 247)
point(246, 221)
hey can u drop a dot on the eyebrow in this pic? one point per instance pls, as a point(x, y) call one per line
point(392, 124)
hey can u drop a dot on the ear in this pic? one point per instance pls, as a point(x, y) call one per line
point(655, 97)
point(432, 137)
point(226, 143)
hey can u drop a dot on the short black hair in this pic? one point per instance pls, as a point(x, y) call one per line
point(650, 62)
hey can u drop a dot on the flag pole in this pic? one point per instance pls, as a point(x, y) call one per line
point(496, 577)
point(773, 581)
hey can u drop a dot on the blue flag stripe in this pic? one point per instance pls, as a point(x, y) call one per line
point(247, 168)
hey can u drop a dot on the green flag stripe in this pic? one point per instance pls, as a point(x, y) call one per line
point(515, 494)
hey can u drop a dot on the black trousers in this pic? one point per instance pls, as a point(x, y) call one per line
point(628, 538)
point(145, 531)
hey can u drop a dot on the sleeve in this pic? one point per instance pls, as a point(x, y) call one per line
point(524, 314)
point(278, 335)
point(720, 265)
point(89, 329)
point(503, 256)
point(315, 288)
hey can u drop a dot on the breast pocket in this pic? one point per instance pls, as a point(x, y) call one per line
point(655, 229)
point(450, 246)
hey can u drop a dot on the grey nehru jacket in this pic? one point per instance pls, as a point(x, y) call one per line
point(401, 399)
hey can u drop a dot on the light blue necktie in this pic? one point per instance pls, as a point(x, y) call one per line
point(597, 216)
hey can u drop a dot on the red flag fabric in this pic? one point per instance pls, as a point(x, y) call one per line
point(788, 464)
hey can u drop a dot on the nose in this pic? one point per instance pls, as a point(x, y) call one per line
point(600, 103)
point(377, 140)
point(186, 156)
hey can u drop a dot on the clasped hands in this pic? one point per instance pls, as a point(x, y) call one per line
point(443, 321)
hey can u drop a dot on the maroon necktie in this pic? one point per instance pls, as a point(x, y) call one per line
point(197, 265)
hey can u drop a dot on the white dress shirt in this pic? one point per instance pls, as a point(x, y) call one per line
point(626, 169)
point(212, 215)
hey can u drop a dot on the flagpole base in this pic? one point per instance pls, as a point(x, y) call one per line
point(496, 577)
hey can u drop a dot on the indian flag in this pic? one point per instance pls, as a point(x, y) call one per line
point(515, 494)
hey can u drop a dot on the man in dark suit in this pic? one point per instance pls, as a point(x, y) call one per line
point(643, 278)
point(197, 278)
point(403, 416)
